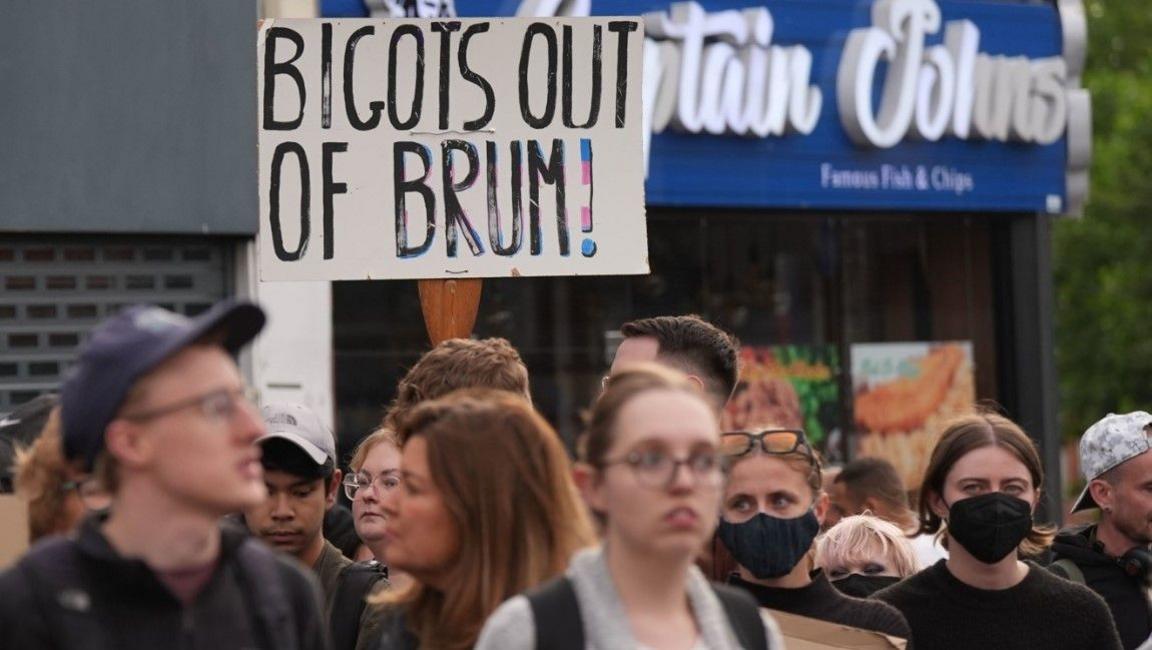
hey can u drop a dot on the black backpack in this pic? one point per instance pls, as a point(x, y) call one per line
point(56, 574)
point(559, 625)
point(353, 586)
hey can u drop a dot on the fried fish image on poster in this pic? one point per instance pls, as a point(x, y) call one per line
point(406, 149)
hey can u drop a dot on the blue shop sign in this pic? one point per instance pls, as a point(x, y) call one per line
point(853, 104)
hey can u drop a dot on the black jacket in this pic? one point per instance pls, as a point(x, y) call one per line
point(1124, 594)
point(72, 593)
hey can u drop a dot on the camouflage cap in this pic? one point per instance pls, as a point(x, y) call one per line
point(1106, 444)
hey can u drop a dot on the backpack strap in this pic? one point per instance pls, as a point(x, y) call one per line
point(56, 577)
point(353, 586)
point(556, 614)
point(262, 580)
point(1068, 570)
point(743, 615)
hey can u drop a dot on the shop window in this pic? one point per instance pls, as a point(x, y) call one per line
point(83, 311)
point(43, 369)
point(23, 340)
point(61, 282)
point(139, 282)
point(19, 283)
point(63, 340)
point(39, 254)
point(79, 254)
point(99, 282)
point(178, 282)
point(41, 311)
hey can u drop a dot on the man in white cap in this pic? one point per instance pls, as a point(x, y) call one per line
point(299, 459)
point(1112, 557)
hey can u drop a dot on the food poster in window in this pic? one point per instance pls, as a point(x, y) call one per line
point(902, 395)
point(788, 386)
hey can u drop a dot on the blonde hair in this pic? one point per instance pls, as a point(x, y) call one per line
point(382, 435)
point(865, 538)
point(41, 472)
point(506, 482)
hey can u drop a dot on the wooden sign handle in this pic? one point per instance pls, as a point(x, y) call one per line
point(449, 307)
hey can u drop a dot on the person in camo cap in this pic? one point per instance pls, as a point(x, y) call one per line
point(1112, 557)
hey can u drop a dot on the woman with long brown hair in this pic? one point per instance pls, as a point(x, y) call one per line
point(980, 490)
point(485, 509)
point(652, 472)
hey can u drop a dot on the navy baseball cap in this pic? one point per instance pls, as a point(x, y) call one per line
point(126, 347)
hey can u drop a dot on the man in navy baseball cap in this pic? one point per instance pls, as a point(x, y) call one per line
point(157, 405)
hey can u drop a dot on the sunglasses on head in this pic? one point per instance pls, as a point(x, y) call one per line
point(778, 442)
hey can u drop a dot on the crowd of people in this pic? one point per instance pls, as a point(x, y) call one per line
point(169, 509)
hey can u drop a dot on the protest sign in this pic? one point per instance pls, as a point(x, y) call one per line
point(451, 148)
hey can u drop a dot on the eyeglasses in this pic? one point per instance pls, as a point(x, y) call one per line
point(386, 481)
point(777, 442)
point(221, 404)
point(656, 468)
point(92, 494)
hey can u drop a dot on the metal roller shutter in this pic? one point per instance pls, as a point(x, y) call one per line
point(53, 291)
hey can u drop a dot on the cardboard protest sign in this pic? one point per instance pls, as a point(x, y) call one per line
point(450, 148)
point(803, 633)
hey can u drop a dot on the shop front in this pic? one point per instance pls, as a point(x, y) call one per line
point(861, 191)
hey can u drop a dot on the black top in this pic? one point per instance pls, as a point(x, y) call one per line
point(821, 600)
point(1043, 611)
point(1124, 594)
point(79, 593)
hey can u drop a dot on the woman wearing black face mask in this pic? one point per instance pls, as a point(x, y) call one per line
point(772, 509)
point(981, 487)
point(863, 554)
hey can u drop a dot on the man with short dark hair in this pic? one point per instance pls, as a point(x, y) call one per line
point(299, 459)
point(870, 484)
point(873, 485)
point(690, 344)
point(157, 404)
point(1112, 557)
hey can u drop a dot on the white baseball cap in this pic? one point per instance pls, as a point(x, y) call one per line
point(301, 426)
point(1108, 443)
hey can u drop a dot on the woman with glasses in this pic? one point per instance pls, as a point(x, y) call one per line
point(58, 496)
point(981, 488)
point(485, 509)
point(652, 474)
point(772, 509)
point(374, 470)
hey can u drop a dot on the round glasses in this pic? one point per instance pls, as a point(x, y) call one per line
point(221, 404)
point(91, 493)
point(655, 468)
point(385, 482)
point(777, 442)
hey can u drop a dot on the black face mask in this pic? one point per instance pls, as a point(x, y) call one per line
point(769, 547)
point(863, 586)
point(990, 526)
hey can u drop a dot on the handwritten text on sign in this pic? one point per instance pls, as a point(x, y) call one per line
point(425, 149)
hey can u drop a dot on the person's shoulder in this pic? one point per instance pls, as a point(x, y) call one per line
point(293, 577)
point(911, 589)
point(874, 615)
point(511, 626)
point(1060, 590)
